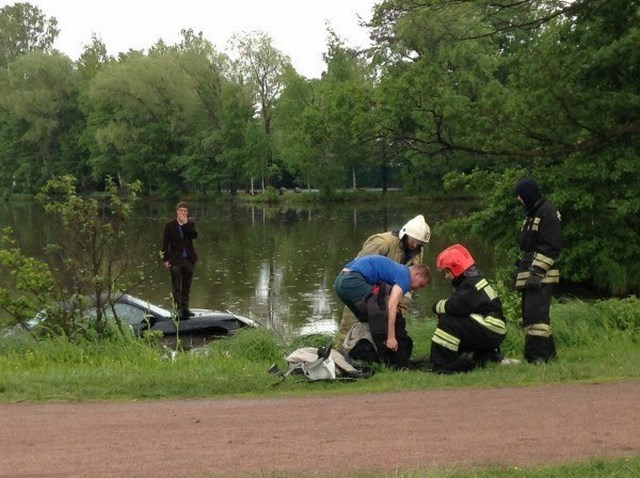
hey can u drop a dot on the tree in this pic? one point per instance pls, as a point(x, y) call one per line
point(147, 120)
point(38, 111)
point(24, 29)
point(294, 142)
point(539, 88)
point(232, 140)
point(263, 67)
point(346, 93)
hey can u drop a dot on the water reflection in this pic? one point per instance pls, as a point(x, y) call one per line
point(274, 265)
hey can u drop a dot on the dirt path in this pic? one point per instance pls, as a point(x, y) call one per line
point(321, 436)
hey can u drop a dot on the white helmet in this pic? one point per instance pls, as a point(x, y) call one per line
point(417, 228)
point(321, 369)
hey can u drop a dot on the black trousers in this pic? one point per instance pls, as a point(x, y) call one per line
point(461, 344)
point(181, 276)
point(539, 345)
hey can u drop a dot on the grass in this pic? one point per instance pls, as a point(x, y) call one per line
point(620, 468)
point(596, 342)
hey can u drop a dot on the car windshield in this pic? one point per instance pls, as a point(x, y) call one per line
point(154, 309)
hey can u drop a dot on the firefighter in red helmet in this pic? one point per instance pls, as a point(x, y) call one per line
point(471, 326)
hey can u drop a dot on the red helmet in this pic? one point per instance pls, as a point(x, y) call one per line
point(456, 258)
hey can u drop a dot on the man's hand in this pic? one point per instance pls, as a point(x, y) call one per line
point(182, 216)
point(392, 344)
point(167, 264)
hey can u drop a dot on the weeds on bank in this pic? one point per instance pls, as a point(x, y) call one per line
point(596, 341)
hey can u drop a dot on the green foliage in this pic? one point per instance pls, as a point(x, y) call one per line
point(32, 282)
point(90, 267)
point(253, 345)
point(24, 28)
point(39, 119)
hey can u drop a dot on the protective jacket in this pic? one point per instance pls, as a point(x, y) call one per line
point(539, 244)
point(390, 245)
point(471, 326)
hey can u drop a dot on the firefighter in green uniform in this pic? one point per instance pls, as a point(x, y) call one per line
point(403, 246)
point(536, 269)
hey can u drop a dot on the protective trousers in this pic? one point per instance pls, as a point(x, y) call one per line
point(539, 345)
point(461, 344)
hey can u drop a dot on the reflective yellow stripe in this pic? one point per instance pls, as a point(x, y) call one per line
point(542, 261)
point(538, 330)
point(551, 277)
point(446, 340)
point(536, 224)
point(492, 323)
point(521, 278)
point(440, 307)
point(483, 284)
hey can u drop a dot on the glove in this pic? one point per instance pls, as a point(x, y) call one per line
point(534, 281)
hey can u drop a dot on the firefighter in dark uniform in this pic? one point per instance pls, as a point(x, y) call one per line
point(536, 270)
point(471, 326)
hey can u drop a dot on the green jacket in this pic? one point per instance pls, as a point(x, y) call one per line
point(389, 244)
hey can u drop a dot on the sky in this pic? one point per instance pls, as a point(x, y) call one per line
point(297, 27)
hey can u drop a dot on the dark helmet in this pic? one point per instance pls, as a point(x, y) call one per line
point(528, 191)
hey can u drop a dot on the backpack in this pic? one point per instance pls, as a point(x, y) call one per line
point(322, 363)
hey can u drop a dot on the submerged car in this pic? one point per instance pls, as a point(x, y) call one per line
point(140, 315)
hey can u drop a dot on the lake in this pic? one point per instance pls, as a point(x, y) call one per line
point(275, 265)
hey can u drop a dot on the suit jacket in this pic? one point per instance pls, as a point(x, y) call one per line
point(173, 243)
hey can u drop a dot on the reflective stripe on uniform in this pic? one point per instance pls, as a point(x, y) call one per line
point(536, 224)
point(542, 261)
point(483, 285)
point(492, 323)
point(446, 340)
point(538, 330)
point(551, 277)
point(440, 307)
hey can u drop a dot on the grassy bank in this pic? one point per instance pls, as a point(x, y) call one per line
point(596, 342)
point(621, 468)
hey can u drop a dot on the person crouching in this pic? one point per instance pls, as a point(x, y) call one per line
point(471, 326)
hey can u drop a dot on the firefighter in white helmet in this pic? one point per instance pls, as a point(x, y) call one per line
point(404, 246)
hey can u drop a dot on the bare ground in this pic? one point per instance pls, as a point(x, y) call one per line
point(322, 436)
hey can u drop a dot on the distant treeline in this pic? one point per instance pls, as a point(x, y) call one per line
point(452, 95)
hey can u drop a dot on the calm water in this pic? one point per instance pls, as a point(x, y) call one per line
point(275, 265)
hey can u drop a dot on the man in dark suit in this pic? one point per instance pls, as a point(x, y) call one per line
point(179, 256)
